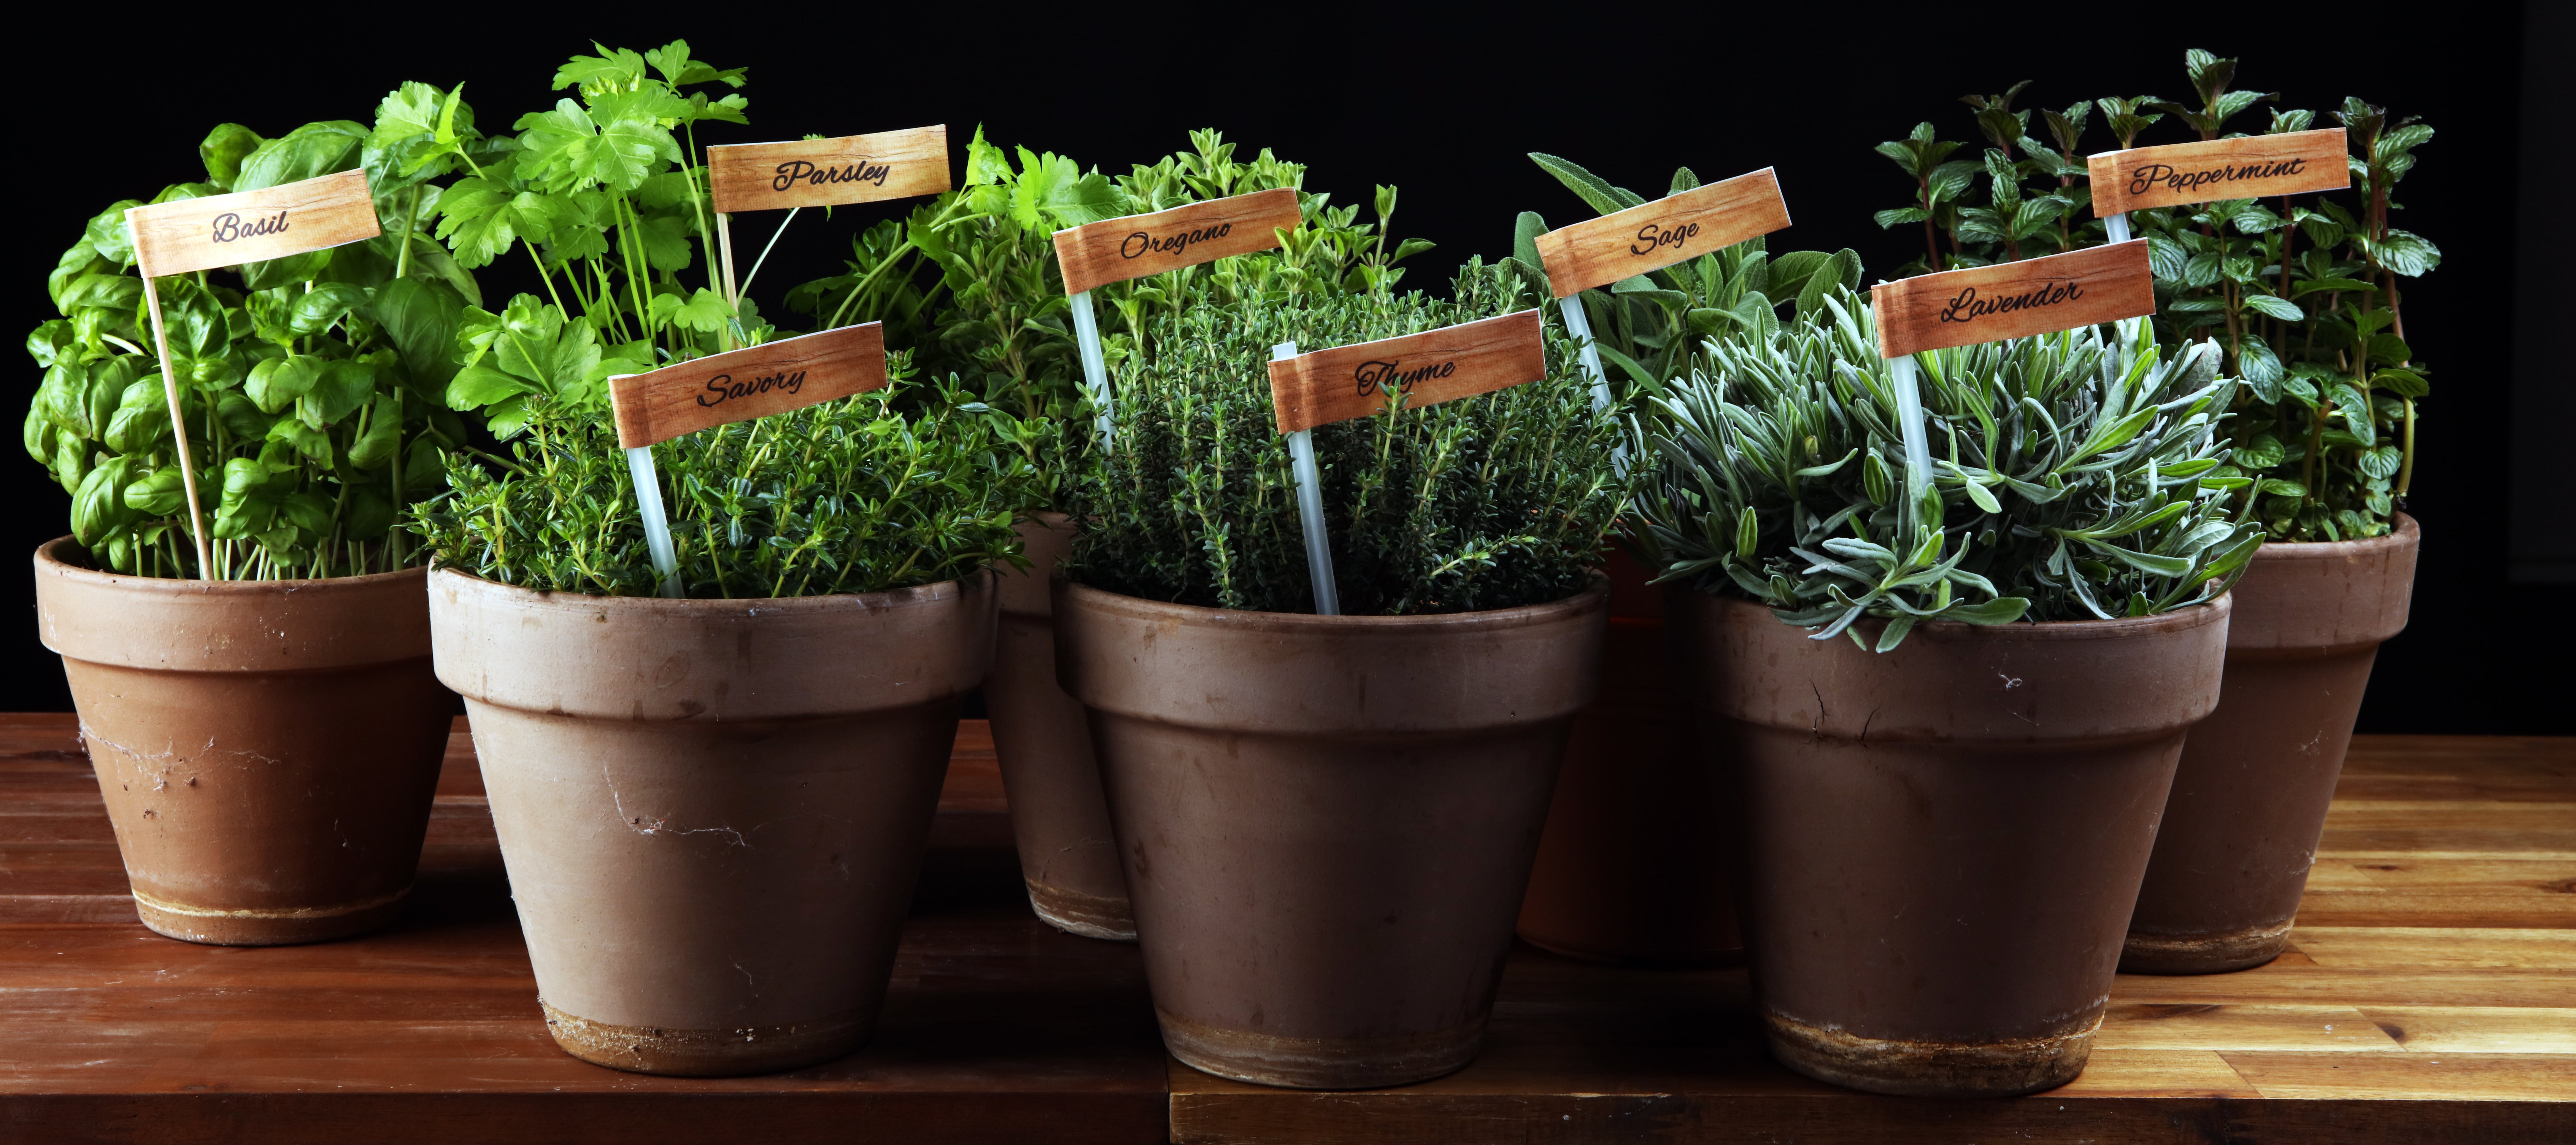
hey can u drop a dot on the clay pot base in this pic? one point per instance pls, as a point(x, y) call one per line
point(285, 926)
point(2203, 953)
point(1090, 916)
point(706, 1053)
point(1321, 1063)
point(1661, 960)
point(1910, 1068)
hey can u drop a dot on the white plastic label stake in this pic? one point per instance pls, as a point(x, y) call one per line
point(1310, 507)
point(1579, 325)
point(1095, 373)
point(2116, 230)
point(657, 523)
point(1918, 448)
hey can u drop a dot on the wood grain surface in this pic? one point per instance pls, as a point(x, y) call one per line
point(755, 381)
point(2399, 1021)
point(997, 1029)
point(2399, 1015)
point(828, 172)
point(2247, 167)
point(1115, 250)
point(2013, 299)
point(186, 235)
point(1651, 236)
point(1428, 368)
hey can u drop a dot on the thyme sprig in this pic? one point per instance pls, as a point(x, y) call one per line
point(1487, 502)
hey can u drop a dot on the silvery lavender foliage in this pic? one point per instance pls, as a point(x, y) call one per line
point(2072, 478)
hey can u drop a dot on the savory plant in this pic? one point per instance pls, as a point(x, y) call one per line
point(848, 496)
point(2072, 477)
point(1647, 327)
point(2302, 297)
point(311, 392)
point(1494, 501)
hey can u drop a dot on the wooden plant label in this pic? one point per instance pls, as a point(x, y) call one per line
point(187, 235)
point(2248, 168)
point(1115, 250)
point(1651, 236)
point(828, 172)
point(2013, 299)
point(743, 384)
point(1428, 368)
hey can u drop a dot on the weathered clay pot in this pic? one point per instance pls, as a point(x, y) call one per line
point(1068, 857)
point(1326, 821)
point(2249, 801)
point(1632, 866)
point(267, 749)
point(712, 811)
point(1943, 842)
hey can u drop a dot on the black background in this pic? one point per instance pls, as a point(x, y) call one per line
point(1443, 104)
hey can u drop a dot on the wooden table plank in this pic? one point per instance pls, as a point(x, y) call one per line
point(996, 1027)
point(2440, 926)
point(2429, 995)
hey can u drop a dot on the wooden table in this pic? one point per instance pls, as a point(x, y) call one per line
point(2430, 996)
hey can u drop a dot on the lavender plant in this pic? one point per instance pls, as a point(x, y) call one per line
point(2074, 476)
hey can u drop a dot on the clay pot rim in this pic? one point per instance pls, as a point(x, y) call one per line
point(50, 560)
point(2406, 533)
point(2118, 628)
point(981, 579)
point(1595, 594)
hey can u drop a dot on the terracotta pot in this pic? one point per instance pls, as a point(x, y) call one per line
point(1632, 866)
point(1943, 843)
point(1326, 821)
point(1068, 857)
point(712, 811)
point(2249, 801)
point(267, 749)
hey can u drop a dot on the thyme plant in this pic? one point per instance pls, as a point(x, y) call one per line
point(847, 496)
point(1487, 502)
point(2073, 477)
point(2300, 295)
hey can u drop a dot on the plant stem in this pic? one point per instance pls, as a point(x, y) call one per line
point(411, 213)
point(2406, 467)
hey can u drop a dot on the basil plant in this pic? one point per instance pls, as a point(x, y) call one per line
point(310, 387)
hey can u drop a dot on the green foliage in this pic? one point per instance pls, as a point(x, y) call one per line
point(609, 204)
point(847, 496)
point(311, 394)
point(2301, 296)
point(1647, 326)
point(971, 278)
point(1486, 502)
point(2072, 478)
